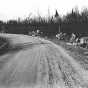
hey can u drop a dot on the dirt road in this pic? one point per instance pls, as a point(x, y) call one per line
point(41, 64)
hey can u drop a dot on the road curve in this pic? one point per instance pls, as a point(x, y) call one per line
point(42, 64)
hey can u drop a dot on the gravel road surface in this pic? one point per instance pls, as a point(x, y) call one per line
point(39, 64)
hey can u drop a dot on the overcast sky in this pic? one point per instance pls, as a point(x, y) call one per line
point(11, 9)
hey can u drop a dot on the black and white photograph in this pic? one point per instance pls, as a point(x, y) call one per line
point(43, 43)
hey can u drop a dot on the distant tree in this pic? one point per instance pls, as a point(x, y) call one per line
point(57, 19)
point(56, 14)
point(1, 22)
point(73, 16)
point(12, 22)
point(84, 15)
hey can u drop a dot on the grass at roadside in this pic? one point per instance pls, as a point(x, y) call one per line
point(78, 53)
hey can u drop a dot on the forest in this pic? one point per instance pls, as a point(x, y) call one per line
point(73, 22)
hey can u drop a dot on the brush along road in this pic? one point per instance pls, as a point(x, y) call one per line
point(39, 63)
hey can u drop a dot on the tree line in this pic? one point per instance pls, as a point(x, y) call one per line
point(73, 22)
